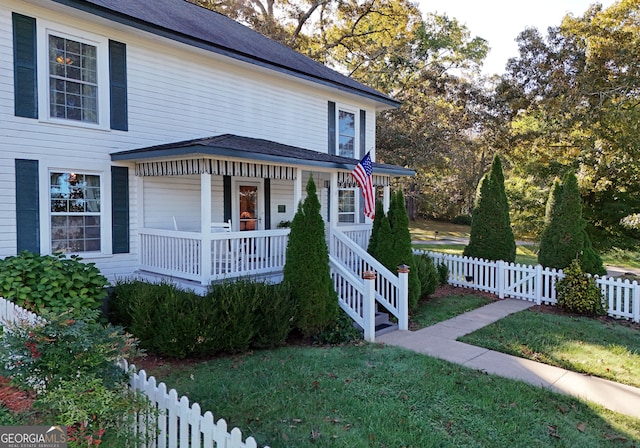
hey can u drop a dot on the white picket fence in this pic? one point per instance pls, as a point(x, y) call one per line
point(179, 424)
point(533, 283)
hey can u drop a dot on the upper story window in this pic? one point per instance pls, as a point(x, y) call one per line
point(346, 134)
point(75, 209)
point(68, 76)
point(73, 80)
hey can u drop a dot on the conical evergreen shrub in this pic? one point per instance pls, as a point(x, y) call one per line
point(563, 236)
point(491, 235)
point(307, 268)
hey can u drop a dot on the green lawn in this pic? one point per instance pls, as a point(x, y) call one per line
point(430, 311)
point(525, 254)
point(370, 395)
point(602, 348)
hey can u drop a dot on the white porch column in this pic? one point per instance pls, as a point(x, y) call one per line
point(297, 190)
point(386, 197)
point(333, 210)
point(205, 228)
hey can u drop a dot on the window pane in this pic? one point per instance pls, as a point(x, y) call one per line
point(346, 134)
point(73, 80)
point(75, 204)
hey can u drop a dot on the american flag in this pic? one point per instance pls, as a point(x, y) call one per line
point(362, 175)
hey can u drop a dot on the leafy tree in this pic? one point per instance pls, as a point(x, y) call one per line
point(491, 236)
point(307, 268)
point(563, 237)
point(571, 100)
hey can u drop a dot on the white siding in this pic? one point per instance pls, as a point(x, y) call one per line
point(175, 93)
point(282, 194)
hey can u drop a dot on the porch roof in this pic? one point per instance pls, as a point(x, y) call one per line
point(228, 145)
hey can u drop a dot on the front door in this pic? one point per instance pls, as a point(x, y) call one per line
point(248, 206)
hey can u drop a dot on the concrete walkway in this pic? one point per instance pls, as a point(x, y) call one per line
point(440, 342)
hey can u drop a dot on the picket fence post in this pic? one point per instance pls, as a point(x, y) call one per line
point(368, 306)
point(501, 277)
point(403, 299)
point(636, 302)
point(538, 287)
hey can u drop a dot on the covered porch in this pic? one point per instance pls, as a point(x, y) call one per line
point(218, 208)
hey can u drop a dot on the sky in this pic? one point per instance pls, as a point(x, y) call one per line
point(500, 21)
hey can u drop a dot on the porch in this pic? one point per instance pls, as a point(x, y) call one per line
point(212, 209)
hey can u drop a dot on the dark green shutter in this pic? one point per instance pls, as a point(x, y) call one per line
point(331, 130)
point(120, 209)
point(267, 204)
point(27, 206)
point(25, 78)
point(226, 197)
point(363, 133)
point(118, 85)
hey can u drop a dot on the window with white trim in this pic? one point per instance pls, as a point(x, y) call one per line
point(75, 209)
point(73, 80)
point(347, 205)
point(346, 134)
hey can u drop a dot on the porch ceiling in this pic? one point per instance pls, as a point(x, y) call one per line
point(227, 145)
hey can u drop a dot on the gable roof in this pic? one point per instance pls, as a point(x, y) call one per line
point(200, 27)
point(228, 145)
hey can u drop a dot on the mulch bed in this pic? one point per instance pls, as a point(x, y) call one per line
point(14, 399)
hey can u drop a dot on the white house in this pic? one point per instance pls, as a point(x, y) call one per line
point(161, 137)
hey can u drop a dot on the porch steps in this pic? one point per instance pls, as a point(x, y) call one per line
point(383, 324)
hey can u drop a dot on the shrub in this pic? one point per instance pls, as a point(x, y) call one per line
point(51, 282)
point(563, 237)
point(342, 331)
point(274, 315)
point(427, 274)
point(164, 318)
point(232, 317)
point(443, 274)
point(491, 235)
point(42, 355)
point(70, 363)
point(578, 292)
point(462, 219)
point(306, 268)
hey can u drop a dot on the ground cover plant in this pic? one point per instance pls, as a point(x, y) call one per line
point(369, 395)
point(601, 347)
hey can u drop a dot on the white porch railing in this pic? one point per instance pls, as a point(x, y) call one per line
point(232, 254)
point(391, 291)
point(359, 234)
point(534, 283)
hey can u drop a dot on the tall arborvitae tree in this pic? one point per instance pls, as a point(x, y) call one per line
point(402, 252)
point(307, 268)
point(563, 238)
point(375, 228)
point(390, 242)
point(491, 234)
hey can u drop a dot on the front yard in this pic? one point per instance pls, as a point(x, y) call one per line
point(364, 395)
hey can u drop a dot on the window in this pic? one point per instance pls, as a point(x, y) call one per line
point(347, 206)
point(73, 80)
point(346, 134)
point(75, 212)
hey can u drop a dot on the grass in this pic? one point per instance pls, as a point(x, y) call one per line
point(428, 230)
point(525, 254)
point(598, 347)
point(370, 395)
point(430, 311)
